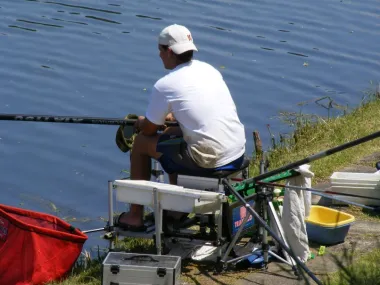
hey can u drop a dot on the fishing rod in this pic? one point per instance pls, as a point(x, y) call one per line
point(316, 190)
point(345, 201)
point(313, 157)
point(73, 120)
point(323, 193)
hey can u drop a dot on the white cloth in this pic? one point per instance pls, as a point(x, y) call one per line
point(296, 207)
point(201, 102)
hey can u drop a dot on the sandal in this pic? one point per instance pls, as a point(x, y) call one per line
point(150, 218)
point(126, 227)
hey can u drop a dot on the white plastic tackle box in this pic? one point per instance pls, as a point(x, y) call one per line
point(120, 268)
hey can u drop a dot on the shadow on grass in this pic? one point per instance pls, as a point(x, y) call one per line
point(356, 269)
point(372, 213)
point(204, 273)
point(359, 212)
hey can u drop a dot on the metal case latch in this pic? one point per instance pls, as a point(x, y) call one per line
point(115, 269)
point(161, 272)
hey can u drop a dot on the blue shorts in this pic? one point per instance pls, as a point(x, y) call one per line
point(175, 157)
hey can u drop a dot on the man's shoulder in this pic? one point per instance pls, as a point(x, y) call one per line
point(162, 82)
point(173, 77)
point(203, 66)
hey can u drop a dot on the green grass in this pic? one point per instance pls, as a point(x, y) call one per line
point(89, 276)
point(308, 138)
point(311, 138)
point(363, 271)
point(360, 213)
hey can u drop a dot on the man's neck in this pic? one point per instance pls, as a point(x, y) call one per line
point(182, 64)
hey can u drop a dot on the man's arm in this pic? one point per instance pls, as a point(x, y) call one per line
point(148, 128)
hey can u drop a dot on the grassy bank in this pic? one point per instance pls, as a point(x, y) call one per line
point(312, 137)
point(309, 138)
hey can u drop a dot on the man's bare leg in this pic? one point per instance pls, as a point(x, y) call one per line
point(144, 148)
point(173, 178)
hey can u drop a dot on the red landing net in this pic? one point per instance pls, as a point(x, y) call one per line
point(36, 248)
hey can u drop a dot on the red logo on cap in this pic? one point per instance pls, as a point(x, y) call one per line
point(189, 37)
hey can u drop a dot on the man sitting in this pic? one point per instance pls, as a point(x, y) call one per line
point(210, 135)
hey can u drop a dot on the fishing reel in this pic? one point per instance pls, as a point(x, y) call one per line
point(126, 134)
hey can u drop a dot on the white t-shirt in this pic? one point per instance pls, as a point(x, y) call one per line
point(199, 99)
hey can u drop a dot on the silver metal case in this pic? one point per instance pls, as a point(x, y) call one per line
point(120, 268)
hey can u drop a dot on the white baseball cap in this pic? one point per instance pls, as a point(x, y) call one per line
point(178, 38)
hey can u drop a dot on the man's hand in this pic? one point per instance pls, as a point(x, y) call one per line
point(139, 123)
point(170, 117)
point(148, 128)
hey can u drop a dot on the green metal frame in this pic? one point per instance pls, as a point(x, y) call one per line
point(247, 189)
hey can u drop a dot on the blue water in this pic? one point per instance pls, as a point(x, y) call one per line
point(100, 58)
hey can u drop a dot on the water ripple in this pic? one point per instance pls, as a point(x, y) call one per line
point(102, 19)
point(81, 7)
point(148, 17)
point(39, 23)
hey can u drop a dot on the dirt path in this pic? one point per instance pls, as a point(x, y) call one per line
point(363, 236)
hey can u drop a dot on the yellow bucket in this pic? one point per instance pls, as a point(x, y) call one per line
point(327, 226)
point(327, 217)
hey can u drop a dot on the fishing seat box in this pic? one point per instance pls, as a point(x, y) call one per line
point(120, 268)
